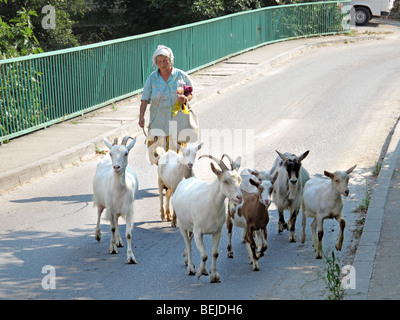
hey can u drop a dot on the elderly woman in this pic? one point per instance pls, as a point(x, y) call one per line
point(160, 90)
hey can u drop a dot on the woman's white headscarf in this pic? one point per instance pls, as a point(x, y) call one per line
point(163, 51)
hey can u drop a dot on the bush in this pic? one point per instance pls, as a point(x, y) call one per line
point(17, 39)
point(16, 35)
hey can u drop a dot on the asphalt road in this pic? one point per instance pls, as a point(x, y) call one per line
point(339, 102)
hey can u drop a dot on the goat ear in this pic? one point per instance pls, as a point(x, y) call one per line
point(351, 169)
point(237, 163)
point(199, 146)
point(305, 154)
point(215, 170)
point(256, 184)
point(328, 174)
point(130, 146)
point(254, 172)
point(282, 156)
point(108, 143)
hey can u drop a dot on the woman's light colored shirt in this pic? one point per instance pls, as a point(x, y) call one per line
point(162, 96)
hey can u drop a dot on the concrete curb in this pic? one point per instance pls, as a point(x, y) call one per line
point(366, 251)
point(86, 150)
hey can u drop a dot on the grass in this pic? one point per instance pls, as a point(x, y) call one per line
point(363, 206)
point(377, 169)
point(332, 279)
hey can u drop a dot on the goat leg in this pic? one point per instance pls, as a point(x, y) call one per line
point(229, 227)
point(339, 242)
point(201, 270)
point(168, 195)
point(282, 225)
point(318, 253)
point(262, 234)
point(97, 234)
point(303, 225)
point(130, 258)
point(187, 237)
point(117, 237)
point(292, 225)
point(214, 275)
point(161, 198)
point(113, 245)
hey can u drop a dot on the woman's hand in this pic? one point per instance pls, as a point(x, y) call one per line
point(182, 99)
point(141, 122)
point(143, 106)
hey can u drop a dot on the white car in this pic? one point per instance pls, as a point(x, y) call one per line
point(365, 10)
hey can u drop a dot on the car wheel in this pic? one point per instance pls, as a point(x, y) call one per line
point(362, 16)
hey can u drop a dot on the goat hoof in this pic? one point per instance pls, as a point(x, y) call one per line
point(163, 215)
point(201, 272)
point(230, 255)
point(119, 243)
point(131, 260)
point(191, 270)
point(292, 238)
point(113, 250)
point(282, 227)
point(97, 236)
point(215, 278)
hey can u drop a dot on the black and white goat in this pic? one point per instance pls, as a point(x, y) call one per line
point(288, 189)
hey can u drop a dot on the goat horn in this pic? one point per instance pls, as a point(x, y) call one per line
point(115, 142)
point(230, 160)
point(125, 140)
point(219, 162)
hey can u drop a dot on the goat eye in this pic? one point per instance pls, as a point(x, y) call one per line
point(225, 181)
point(337, 181)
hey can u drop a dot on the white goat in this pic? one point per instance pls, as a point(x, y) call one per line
point(173, 168)
point(200, 207)
point(321, 200)
point(114, 187)
point(288, 189)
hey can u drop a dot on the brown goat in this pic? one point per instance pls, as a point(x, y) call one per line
point(252, 215)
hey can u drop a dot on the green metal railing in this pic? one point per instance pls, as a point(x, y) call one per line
point(39, 90)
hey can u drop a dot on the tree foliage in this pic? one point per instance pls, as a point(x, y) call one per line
point(16, 34)
point(81, 22)
point(121, 18)
point(67, 13)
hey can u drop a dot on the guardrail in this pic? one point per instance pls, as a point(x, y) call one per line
point(42, 89)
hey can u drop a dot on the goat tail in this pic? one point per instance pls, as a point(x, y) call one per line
point(159, 151)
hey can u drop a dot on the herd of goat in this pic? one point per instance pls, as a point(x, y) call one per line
point(199, 206)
